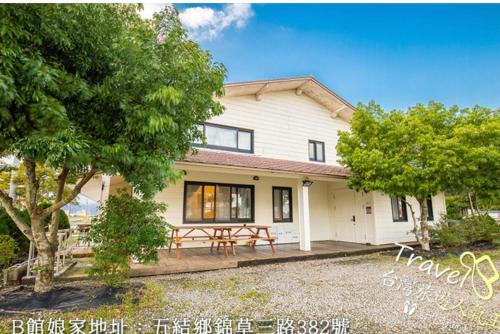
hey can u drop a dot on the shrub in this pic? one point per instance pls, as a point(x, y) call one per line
point(7, 227)
point(469, 230)
point(480, 228)
point(127, 227)
point(8, 250)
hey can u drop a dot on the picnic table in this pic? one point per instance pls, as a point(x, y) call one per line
point(222, 235)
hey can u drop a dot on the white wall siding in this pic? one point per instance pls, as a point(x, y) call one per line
point(283, 122)
point(389, 231)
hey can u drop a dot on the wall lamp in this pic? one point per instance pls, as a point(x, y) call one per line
point(256, 178)
point(307, 183)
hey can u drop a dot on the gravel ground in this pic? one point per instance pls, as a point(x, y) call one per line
point(351, 288)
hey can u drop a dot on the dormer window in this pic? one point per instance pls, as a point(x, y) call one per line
point(316, 151)
point(228, 138)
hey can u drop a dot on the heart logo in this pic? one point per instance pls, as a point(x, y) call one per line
point(409, 308)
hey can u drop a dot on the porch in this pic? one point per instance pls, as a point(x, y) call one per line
point(201, 259)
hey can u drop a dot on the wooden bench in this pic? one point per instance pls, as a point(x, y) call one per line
point(251, 242)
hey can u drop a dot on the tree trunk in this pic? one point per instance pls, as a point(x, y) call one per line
point(471, 204)
point(416, 230)
point(424, 225)
point(44, 280)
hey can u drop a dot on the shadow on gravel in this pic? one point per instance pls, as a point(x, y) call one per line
point(65, 298)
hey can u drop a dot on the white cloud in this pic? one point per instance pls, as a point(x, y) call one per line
point(205, 23)
point(150, 9)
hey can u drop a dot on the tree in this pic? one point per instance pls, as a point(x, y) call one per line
point(128, 227)
point(412, 153)
point(477, 139)
point(93, 88)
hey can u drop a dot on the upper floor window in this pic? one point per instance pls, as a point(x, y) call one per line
point(399, 209)
point(316, 151)
point(227, 138)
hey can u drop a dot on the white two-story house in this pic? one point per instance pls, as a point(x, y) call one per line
point(271, 160)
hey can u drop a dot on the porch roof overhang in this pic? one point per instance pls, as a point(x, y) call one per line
point(207, 157)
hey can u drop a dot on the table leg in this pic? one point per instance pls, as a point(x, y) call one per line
point(232, 243)
point(270, 241)
point(221, 236)
point(178, 250)
point(171, 241)
point(212, 244)
point(225, 248)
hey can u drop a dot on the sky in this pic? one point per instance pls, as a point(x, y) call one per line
point(396, 55)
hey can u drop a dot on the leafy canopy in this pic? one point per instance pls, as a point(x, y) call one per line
point(95, 85)
point(400, 153)
point(424, 150)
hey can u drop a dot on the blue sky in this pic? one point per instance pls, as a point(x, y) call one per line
point(397, 55)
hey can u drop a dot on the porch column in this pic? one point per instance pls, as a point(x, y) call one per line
point(304, 220)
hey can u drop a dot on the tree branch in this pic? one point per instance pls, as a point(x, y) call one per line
point(6, 202)
point(54, 222)
point(31, 186)
point(76, 190)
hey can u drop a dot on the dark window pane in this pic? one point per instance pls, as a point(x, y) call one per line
point(193, 202)
point(286, 203)
point(223, 203)
point(395, 208)
point(209, 202)
point(244, 203)
point(277, 204)
point(430, 209)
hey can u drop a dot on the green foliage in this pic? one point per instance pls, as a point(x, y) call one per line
point(456, 206)
point(470, 230)
point(95, 85)
point(88, 88)
point(63, 217)
point(8, 227)
point(423, 151)
point(127, 228)
point(8, 250)
point(399, 153)
point(47, 182)
point(476, 139)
